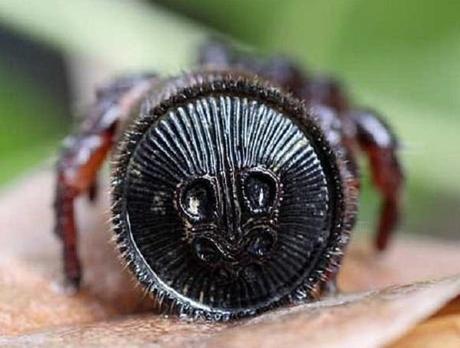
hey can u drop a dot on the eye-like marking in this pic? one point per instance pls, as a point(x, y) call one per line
point(260, 190)
point(198, 200)
point(261, 241)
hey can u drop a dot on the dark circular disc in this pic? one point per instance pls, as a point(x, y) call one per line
point(227, 205)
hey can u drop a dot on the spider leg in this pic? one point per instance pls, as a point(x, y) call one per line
point(216, 53)
point(83, 155)
point(323, 90)
point(276, 69)
point(339, 132)
point(380, 144)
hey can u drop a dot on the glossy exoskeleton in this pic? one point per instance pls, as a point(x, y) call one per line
point(234, 188)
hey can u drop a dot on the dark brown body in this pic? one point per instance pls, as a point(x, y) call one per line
point(343, 130)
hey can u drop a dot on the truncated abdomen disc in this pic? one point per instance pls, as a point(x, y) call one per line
point(226, 206)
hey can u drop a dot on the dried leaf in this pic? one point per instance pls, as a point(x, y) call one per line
point(442, 330)
point(363, 320)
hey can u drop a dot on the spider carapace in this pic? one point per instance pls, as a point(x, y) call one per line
point(234, 186)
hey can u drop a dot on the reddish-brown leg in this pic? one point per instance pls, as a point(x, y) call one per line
point(380, 144)
point(277, 69)
point(323, 90)
point(83, 155)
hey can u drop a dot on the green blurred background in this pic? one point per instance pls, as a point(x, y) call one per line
point(400, 57)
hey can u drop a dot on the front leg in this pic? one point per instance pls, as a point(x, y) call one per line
point(83, 155)
point(380, 144)
point(277, 69)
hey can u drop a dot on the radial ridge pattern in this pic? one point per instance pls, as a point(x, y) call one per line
point(228, 203)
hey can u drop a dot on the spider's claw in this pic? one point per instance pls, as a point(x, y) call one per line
point(70, 286)
point(72, 280)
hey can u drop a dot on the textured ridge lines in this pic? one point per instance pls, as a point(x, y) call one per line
point(221, 137)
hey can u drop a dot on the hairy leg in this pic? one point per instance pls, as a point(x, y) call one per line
point(277, 69)
point(340, 134)
point(323, 90)
point(82, 156)
point(380, 144)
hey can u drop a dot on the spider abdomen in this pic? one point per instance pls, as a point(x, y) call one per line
point(228, 200)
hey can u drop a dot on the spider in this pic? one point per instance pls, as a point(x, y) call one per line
point(234, 186)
